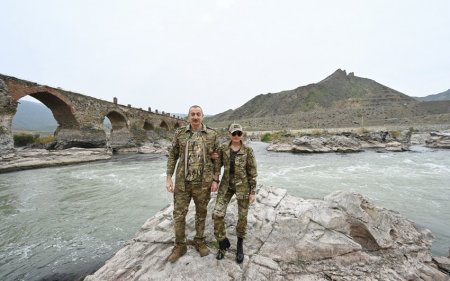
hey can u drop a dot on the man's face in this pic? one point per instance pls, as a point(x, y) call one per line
point(195, 116)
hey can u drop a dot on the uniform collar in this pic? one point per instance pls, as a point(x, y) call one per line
point(240, 150)
point(189, 128)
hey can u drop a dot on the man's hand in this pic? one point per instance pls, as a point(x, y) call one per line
point(252, 198)
point(169, 184)
point(214, 155)
point(214, 186)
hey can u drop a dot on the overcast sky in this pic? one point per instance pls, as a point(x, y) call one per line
point(219, 54)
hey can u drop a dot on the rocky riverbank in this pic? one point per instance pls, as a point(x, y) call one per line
point(161, 147)
point(382, 141)
point(32, 158)
point(342, 237)
point(438, 140)
point(23, 159)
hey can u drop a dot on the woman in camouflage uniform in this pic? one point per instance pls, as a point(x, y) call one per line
point(239, 178)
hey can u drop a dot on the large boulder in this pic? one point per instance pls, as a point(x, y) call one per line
point(309, 144)
point(345, 142)
point(438, 140)
point(342, 237)
point(22, 159)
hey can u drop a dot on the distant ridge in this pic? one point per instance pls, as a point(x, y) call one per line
point(337, 90)
point(33, 116)
point(437, 97)
point(339, 100)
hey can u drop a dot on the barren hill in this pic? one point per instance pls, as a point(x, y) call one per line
point(340, 100)
point(437, 97)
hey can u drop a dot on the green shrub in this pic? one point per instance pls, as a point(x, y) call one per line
point(44, 140)
point(24, 139)
point(267, 137)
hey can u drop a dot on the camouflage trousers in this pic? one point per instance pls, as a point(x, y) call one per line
point(220, 209)
point(182, 199)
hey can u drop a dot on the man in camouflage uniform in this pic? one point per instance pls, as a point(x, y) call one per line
point(196, 177)
point(239, 178)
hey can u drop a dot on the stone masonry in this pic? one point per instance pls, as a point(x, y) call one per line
point(80, 118)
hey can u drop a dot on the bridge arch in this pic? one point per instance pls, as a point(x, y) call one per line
point(118, 120)
point(164, 125)
point(61, 108)
point(148, 126)
point(177, 125)
point(119, 135)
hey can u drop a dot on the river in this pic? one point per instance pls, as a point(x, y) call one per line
point(58, 223)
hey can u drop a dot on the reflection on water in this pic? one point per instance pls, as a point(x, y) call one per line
point(70, 219)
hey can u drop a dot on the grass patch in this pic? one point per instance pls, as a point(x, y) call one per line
point(395, 134)
point(267, 137)
point(361, 131)
point(319, 132)
point(24, 139)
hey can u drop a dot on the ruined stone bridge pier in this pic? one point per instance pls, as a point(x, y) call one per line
point(80, 117)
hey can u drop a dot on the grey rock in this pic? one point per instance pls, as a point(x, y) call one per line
point(343, 143)
point(310, 144)
point(443, 263)
point(419, 138)
point(21, 159)
point(438, 140)
point(342, 237)
point(159, 147)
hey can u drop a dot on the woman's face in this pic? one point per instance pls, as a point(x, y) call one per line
point(236, 136)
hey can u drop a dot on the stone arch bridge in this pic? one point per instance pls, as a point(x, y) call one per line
point(80, 118)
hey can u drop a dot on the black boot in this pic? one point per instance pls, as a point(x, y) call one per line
point(224, 245)
point(240, 250)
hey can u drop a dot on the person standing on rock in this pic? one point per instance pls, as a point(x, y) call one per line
point(197, 175)
point(239, 178)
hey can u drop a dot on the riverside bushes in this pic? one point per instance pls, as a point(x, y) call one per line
point(267, 137)
point(395, 134)
point(24, 139)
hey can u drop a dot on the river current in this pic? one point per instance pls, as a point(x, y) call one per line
point(60, 222)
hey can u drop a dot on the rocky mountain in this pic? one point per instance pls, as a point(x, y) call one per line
point(340, 100)
point(336, 90)
point(33, 116)
point(437, 97)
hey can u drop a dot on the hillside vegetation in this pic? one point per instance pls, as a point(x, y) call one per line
point(340, 100)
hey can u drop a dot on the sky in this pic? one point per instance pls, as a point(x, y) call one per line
point(219, 54)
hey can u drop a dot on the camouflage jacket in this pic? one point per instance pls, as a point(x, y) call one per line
point(244, 170)
point(179, 152)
